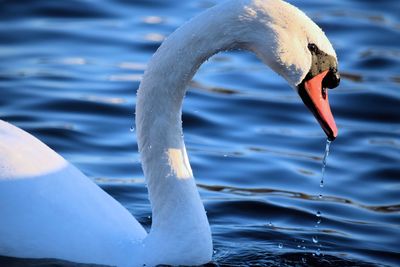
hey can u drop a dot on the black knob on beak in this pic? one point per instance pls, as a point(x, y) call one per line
point(331, 80)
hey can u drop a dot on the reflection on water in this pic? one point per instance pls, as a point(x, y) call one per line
point(69, 74)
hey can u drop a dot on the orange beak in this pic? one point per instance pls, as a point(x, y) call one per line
point(315, 97)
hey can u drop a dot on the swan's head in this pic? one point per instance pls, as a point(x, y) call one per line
point(297, 49)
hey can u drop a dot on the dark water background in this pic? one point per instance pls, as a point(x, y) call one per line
point(69, 71)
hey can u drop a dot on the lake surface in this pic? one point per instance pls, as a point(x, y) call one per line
point(69, 72)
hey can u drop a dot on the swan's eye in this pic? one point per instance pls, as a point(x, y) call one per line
point(312, 47)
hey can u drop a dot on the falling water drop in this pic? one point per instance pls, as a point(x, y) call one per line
point(318, 215)
point(321, 184)
point(327, 147)
point(303, 246)
point(318, 252)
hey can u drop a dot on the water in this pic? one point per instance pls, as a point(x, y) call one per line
point(69, 72)
point(320, 196)
point(324, 159)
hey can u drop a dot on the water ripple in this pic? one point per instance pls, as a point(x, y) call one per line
point(69, 74)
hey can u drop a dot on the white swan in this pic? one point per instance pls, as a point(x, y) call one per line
point(49, 209)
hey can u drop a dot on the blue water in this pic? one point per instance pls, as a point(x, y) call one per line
point(69, 71)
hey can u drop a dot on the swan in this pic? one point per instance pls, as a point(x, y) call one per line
point(49, 209)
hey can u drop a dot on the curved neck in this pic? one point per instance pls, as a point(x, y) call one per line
point(158, 111)
point(175, 201)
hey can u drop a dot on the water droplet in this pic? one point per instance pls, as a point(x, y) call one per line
point(225, 155)
point(320, 196)
point(315, 239)
point(270, 224)
point(318, 214)
point(324, 160)
point(132, 129)
point(280, 245)
point(214, 251)
point(318, 252)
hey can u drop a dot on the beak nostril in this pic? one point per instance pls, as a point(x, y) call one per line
point(331, 80)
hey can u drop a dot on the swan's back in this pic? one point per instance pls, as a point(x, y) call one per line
point(49, 208)
point(24, 156)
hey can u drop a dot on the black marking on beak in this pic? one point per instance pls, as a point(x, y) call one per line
point(320, 62)
point(332, 79)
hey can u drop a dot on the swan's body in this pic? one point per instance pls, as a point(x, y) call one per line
point(49, 209)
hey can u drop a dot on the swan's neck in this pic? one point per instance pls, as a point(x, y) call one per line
point(176, 205)
point(158, 114)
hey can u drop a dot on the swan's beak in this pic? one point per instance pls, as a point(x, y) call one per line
point(315, 97)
